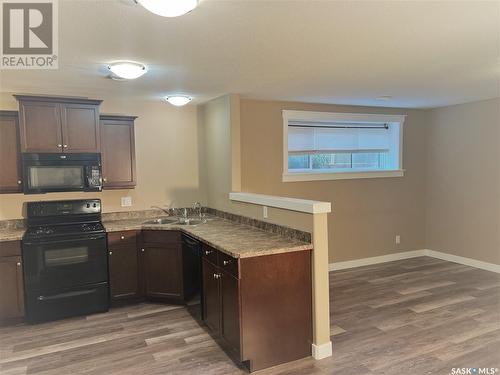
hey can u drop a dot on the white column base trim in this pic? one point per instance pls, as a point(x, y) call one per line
point(322, 351)
point(413, 254)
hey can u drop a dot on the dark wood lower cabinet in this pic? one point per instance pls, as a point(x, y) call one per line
point(123, 263)
point(276, 308)
point(230, 312)
point(162, 270)
point(145, 264)
point(259, 308)
point(211, 296)
point(124, 273)
point(11, 282)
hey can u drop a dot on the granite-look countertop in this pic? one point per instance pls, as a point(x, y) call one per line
point(237, 240)
point(11, 234)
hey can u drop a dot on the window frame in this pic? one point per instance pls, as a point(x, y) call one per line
point(294, 115)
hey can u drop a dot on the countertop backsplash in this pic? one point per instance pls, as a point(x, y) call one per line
point(13, 227)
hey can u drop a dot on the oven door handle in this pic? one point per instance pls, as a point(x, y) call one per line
point(93, 238)
point(65, 295)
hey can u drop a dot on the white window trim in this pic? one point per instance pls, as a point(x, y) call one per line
point(333, 116)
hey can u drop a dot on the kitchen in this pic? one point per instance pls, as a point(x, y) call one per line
point(215, 191)
point(78, 260)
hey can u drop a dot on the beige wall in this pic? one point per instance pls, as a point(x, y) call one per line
point(366, 213)
point(166, 152)
point(219, 122)
point(463, 187)
point(215, 129)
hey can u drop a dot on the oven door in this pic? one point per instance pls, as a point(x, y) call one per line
point(65, 263)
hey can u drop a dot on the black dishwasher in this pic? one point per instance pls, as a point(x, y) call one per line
point(191, 264)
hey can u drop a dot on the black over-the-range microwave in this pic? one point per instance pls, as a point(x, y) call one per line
point(44, 173)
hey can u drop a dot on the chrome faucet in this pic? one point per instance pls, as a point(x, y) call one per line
point(197, 206)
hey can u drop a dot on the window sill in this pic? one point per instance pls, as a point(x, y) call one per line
point(322, 176)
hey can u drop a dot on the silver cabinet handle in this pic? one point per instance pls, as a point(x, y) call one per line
point(226, 262)
point(110, 253)
point(105, 179)
point(59, 145)
point(65, 146)
point(19, 182)
point(142, 250)
point(216, 275)
point(208, 252)
point(122, 237)
point(18, 264)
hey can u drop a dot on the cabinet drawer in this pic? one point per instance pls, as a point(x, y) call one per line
point(228, 264)
point(122, 239)
point(209, 253)
point(10, 248)
point(161, 237)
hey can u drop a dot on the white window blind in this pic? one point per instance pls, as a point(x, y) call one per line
point(314, 139)
point(341, 143)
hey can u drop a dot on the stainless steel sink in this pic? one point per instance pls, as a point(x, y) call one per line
point(162, 220)
point(189, 222)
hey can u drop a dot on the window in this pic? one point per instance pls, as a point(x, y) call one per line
point(323, 146)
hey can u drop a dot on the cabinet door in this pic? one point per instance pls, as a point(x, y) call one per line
point(80, 127)
point(123, 273)
point(163, 271)
point(230, 307)
point(11, 288)
point(211, 296)
point(10, 174)
point(40, 126)
point(118, 153)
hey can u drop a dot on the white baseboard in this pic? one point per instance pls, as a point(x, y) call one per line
point(413, 254)
point(463, 260)
point(322, 351)
point(374, 260)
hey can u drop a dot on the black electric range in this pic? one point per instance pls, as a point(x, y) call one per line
point(65, 260)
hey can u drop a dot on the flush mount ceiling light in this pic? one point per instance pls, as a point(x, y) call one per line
point(169, 8)
point(127, 69)
point(384, 97)
point(178, 100)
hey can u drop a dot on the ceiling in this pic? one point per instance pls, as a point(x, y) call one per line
point(422, 53)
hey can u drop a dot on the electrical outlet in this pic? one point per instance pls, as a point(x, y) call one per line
point(126, 201)
point(264, 212)
point(398, 239)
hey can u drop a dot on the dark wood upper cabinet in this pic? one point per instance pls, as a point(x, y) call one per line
point(80, 127)
point(118, 151)
point(10, 167)
point(40, 126)
point(58, 124)
point(11, 282)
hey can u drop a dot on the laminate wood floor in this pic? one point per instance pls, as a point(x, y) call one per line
point(417, 316)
